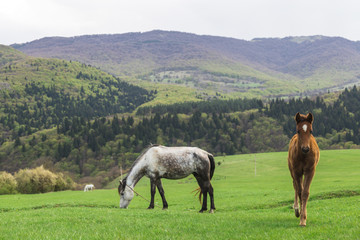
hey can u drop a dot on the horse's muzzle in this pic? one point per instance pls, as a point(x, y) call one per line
point(305, 149)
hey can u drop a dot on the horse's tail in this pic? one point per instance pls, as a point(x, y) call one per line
point(212, 169)
point(198, 191)
point(212, 165)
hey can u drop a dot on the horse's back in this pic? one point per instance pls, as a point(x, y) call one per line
point(176, 162)
point(181, 153)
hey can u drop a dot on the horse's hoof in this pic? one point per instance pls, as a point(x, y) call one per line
point(150, 208)
point(164, 208)
point(302, 223)
point(297, 212)
point(211, 211)
point(202, 210)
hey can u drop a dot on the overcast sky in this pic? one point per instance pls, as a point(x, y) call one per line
point(27, 20)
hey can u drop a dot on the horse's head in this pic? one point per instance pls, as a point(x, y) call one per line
point(126, 194)
point(304, 130)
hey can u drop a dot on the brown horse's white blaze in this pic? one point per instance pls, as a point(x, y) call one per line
point(303, 157)
point(158, 162)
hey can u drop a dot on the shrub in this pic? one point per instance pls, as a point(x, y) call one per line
point(7, 183)
point(38, 180)
point(60, 183)
point(63, 183)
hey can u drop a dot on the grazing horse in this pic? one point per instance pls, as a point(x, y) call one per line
point(303, 157)
point(89, 187)
point(158, 162)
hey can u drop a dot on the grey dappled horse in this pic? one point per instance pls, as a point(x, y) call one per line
point(158, 162)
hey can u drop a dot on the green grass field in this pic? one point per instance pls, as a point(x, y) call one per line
point(248, 206)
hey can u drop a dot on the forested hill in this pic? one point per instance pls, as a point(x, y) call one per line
point(275, 67)
point(38, 94)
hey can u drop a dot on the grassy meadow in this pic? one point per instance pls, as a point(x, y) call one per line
point(248, 206)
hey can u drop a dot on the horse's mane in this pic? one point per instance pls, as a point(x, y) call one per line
point(141, 155)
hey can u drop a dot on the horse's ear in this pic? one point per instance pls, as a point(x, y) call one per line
point(297, 118)
point(310, 118)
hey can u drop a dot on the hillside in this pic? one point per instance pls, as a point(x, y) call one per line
point(290, 66)
point(37, 95)
point(35, 81)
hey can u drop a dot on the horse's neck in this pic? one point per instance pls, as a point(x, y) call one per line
point(136, 173)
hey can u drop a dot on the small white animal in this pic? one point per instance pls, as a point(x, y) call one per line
point(89, 187)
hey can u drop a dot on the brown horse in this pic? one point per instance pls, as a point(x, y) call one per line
point(303, 157)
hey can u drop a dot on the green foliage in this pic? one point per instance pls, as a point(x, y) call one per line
point(53, 106)
point(8, 183)
point(63, 183)
point(40, 180)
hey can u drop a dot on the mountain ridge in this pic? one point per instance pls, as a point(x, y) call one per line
point(316, 62)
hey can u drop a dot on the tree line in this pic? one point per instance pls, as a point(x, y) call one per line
point(217, 105)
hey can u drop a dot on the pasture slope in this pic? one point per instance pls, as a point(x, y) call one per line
point(248, 206)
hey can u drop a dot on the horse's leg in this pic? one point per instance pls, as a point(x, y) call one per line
point(205, 190)
point(162, 193)
point(152, 191)
point(297, 188)
point(305, 196)
point(297, 183)
point(204, 184)
point(211, 194)
point(201, 185)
